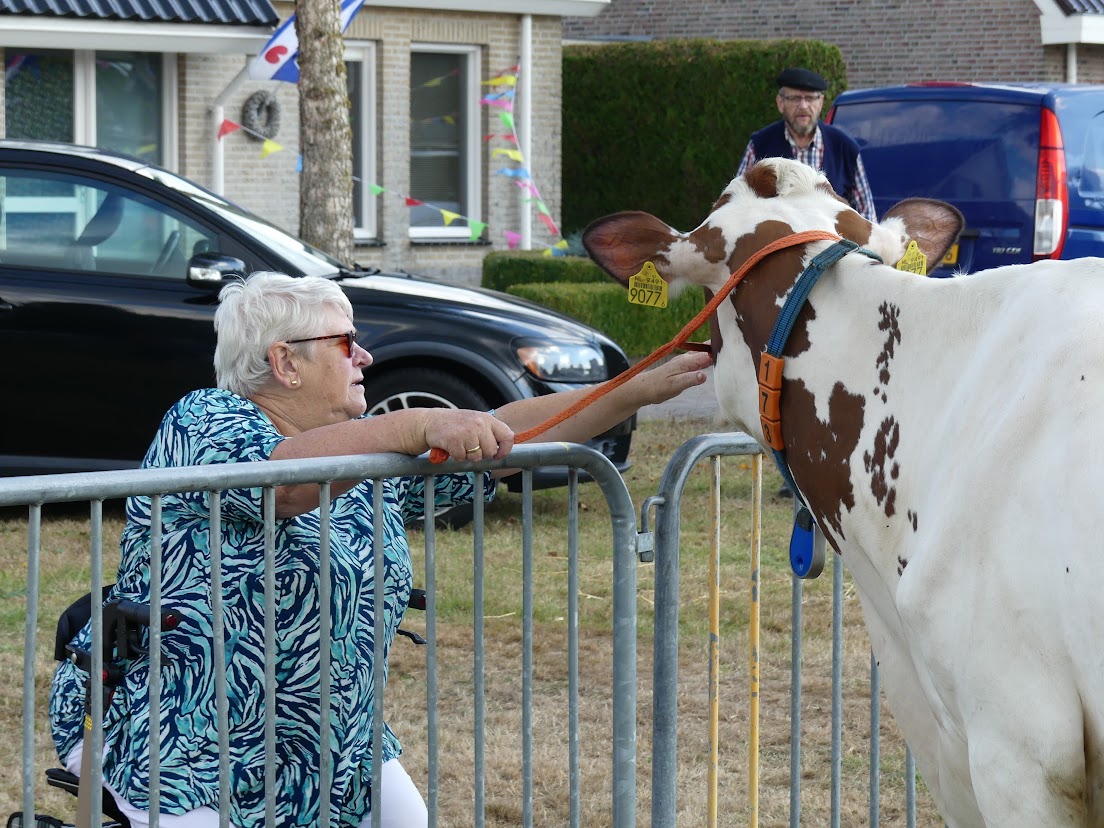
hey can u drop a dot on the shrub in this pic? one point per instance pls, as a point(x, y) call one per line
point(637, 329)
point(662, 126)
point(503, 269)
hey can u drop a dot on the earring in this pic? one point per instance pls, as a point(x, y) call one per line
point(295, 382)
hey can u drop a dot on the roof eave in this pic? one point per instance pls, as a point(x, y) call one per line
point(551, 8)
point(1059, 28)
point(48, 32)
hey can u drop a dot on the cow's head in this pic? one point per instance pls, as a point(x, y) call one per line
point(776, 198)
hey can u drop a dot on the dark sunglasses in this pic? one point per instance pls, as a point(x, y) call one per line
point(348, 336)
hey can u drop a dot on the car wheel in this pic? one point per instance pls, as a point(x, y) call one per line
point(425, 388)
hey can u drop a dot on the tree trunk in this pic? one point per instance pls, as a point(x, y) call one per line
point(326, 182)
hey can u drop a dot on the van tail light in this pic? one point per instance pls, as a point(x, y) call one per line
point(1051, 192)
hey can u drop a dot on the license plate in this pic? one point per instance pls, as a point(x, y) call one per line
point(952, 255)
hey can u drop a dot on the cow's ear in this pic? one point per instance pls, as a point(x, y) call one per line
point(623, 242)
point(933, 225)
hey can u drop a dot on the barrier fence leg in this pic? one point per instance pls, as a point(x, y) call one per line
point(714, 636)
point(753, 636)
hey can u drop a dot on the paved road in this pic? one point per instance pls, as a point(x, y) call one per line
point(696, 404)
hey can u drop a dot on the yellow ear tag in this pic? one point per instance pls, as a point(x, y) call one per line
point(648, 288)
point(914, 261)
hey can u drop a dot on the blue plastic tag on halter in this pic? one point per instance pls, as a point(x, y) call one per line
point(803, 556)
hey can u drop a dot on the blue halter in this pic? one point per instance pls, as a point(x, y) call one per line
point(802, 559)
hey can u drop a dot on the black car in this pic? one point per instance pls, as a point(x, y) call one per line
point(110, 271)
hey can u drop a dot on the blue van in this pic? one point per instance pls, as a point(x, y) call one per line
point(1023, 162)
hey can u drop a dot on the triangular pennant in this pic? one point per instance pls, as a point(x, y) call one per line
point(512, 154)
point(512, 239)
point(413, 202)
point(227, 126)
point(376, 189)
point(269, 147)
point(549, 223)
point(449, 216)
point(477, 228)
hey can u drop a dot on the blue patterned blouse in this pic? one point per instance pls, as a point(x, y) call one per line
point(213, 426)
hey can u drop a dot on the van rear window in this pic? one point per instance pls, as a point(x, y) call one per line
point(953, 150)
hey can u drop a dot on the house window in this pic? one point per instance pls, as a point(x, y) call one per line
point(445, 147)
point(360, 67)
point(121, 101)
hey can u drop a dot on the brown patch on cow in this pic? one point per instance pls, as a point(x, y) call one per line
point(726, 197)
point(853, 227)
point(762, 180)
point(890, 323)
point(710, 242)
point(881, 467)
point(819, 453)
point(756, 299)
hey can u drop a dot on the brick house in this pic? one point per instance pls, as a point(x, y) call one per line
point(159, 80)
point(888, 41)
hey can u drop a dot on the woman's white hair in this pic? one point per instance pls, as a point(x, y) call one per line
point(263, 309)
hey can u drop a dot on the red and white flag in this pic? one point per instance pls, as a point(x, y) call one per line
point(279, 59)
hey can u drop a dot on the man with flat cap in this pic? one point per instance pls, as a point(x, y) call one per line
point(801, 135)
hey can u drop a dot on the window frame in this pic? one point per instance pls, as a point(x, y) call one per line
point(84, 101)
point(364, 122)
point(471, 164)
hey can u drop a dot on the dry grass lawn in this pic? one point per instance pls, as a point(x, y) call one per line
point(65, 575)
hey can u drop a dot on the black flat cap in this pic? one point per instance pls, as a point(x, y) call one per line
point(797, 77)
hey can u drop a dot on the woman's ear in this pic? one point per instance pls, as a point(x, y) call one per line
point(285, 368)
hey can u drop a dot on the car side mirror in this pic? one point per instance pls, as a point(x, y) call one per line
point(208, 269)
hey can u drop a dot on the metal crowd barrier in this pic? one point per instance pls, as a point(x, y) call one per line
point(667, 503)
point(629, 547)
point(95, 488)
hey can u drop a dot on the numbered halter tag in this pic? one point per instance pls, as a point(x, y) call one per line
point(648, 288)
point(914, 261)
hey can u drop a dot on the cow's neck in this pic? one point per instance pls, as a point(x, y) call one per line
point(807, 439)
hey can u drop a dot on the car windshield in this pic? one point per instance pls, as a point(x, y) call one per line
point(310, 260)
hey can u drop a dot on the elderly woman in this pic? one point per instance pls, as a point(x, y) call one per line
point(289, 374)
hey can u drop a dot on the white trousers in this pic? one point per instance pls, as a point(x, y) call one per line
point(401, 804)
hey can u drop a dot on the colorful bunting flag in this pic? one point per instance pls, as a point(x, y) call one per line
point(512, 154)
point(227, 126)
point(269, 147)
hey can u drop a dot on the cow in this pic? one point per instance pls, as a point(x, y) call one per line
point(947, 436)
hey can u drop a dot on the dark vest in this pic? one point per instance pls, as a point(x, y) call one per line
point(841, 153)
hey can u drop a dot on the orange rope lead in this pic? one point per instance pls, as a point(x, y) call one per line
point(440, 455)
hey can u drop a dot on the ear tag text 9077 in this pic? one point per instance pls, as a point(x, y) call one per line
point(913, 261)
point(648, 288)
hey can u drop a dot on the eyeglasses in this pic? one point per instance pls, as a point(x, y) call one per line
point(348, 336)
point(806, 99)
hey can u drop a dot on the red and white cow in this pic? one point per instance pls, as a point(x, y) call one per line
point(948, 436)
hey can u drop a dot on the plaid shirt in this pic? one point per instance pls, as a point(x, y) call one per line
point(860, 196)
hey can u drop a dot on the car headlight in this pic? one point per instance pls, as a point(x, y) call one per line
point(564, 362)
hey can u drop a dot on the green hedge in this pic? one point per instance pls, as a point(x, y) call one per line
point(662, 126)
point(638, 330)
point(502, 269)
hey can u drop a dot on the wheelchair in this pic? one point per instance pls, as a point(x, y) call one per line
point(122, 623)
